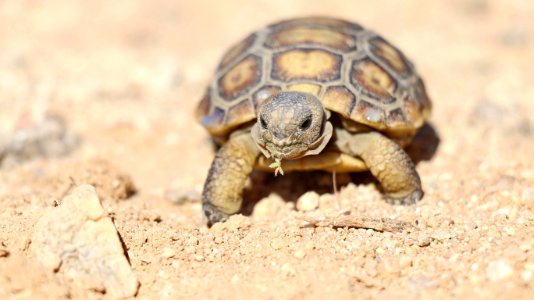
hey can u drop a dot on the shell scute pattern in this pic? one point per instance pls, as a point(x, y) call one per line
point(372, 80)
point(241, 78)
point(237, 50)
point(391, 56)
point(306, 64)
point(355, 72)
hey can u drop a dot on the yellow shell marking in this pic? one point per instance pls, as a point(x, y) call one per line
point(240, 77)
point(391, 56)
point(339, 99)
point(241, 112)
point(306, 64)
point(374, 79)
point(306, 88)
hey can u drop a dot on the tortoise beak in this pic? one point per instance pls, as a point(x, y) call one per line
point(255, 132)
point(278, 149)
point(284, 149)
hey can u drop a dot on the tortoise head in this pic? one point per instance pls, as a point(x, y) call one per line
point(291, 125)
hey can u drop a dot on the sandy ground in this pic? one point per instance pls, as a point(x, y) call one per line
point(126, 76)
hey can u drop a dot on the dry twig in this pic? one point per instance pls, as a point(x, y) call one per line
point(352, 221)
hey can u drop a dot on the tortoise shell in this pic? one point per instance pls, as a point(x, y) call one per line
point(355, 72)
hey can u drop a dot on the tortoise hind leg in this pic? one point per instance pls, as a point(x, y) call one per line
point(387, 161)
point(222, 195)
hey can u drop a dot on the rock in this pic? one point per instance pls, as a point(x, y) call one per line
point(498, 270)
point(300, 254)
point(288, 270)
point(527, 276)
point(308, 202)
point(79, 240)
point(268, 207)
point(168, 253)
point(424, 241)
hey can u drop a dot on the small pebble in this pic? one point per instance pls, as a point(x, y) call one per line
point(235, 279)
point(218, 240)
point(526, 247)
point(405, 262)
point(526, 276)
point(308, 202)
point(269, 207)
point(498, 270)
point(424, 241)
point(190, 249)
point(168, 253)
point(287, 270)
point(300, 254)
point(277, 244)
point(442, 234)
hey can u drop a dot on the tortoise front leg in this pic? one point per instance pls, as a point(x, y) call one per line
point(387, 161)
point(223, 189)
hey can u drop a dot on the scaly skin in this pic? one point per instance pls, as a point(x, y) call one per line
point(223, 189)
point(387, 161)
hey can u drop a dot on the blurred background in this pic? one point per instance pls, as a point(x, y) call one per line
point(128, 74)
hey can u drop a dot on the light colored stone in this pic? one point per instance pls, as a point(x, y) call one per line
point(269, 207)
point(288, 270)
point(499, 269)
point(308, 202)
point(277, 244)
point(526, 276)
point(405, 262)
point(78, 239)
point(235, 279)
point(424, 241)
point(300, 254)
point(168, 253)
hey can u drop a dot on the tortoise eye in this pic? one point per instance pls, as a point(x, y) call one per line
point(306, 124)
point(263, 123)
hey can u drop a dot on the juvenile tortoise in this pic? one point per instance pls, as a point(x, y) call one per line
point(312, 94)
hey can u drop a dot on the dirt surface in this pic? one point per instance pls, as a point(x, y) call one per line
point(126, 76)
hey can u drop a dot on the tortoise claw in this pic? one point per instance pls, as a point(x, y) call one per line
point(412, 198)
point(213, 214)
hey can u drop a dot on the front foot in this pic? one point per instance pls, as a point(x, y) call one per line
point(404, 199)
point(213, 214)
point(387, 162)
point(222, 195)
